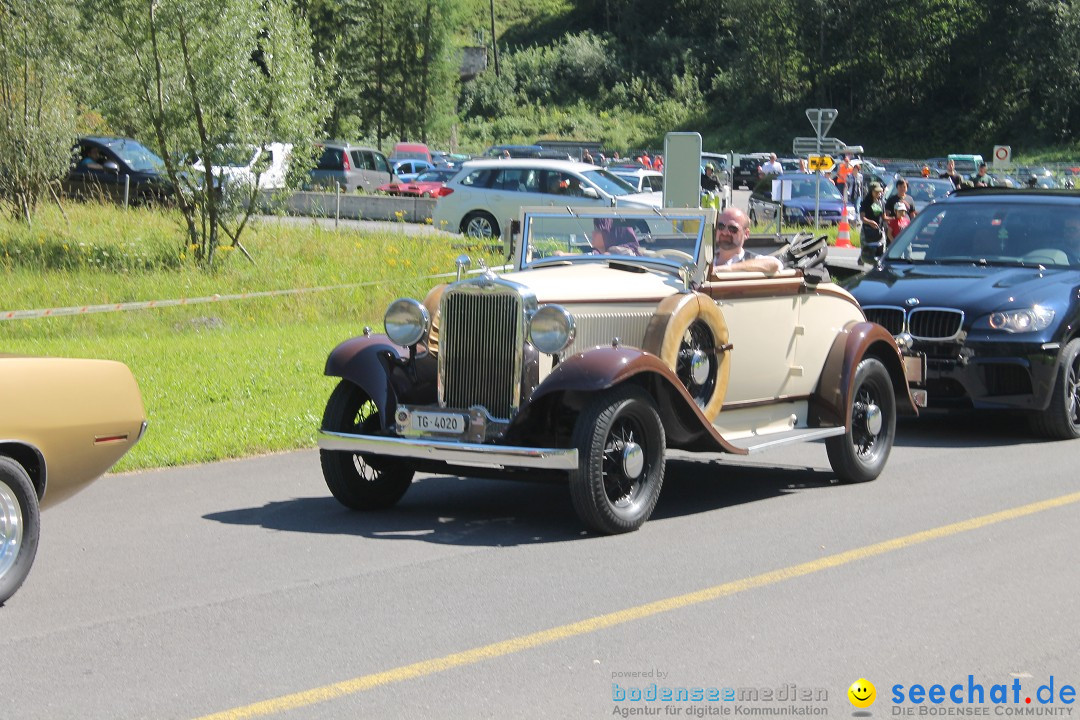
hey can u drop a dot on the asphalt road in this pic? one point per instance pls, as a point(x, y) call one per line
point(242, 589)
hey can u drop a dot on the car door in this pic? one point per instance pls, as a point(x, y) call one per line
point(511, 189)
point(329, 170)
point(91, 179)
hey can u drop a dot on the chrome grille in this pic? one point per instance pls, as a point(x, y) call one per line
point(935, 323)
point(890, 318)
point(600, 328)
point(480, 348)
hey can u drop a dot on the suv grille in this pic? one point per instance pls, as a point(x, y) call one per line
point(892, 319)
point(935, 324)
point(480, 349)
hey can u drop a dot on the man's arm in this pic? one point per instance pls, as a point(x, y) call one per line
point(766, 263)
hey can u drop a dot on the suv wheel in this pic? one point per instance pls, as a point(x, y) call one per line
point(480, 224)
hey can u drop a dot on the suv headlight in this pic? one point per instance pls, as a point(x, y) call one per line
point(406, 321)
point(1024, 320)
point(551, 329)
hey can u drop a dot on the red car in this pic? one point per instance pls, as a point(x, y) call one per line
point(429, 184)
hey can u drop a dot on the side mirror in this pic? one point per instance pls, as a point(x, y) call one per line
point(590, 193)
point(111, 166)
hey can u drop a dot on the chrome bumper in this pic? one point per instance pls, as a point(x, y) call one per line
point(455, 453)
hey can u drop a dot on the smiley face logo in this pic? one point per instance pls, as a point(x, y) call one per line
point(862, 693)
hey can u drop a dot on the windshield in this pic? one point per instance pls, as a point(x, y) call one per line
point(805, 186)
point(137, 157)
point(672, 238)
point(610, 184)
point(1023, 235)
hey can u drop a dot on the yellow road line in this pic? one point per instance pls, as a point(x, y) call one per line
point(562, 632)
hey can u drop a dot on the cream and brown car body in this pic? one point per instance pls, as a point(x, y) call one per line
point(63, 423)
point(564, 367)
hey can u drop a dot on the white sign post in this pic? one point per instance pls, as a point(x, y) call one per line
point(822, 119)
point(1002, 157)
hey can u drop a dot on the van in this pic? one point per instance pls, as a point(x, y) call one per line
point(967, 165)
point(411, 151)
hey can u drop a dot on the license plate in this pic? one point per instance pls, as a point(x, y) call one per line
point(920, 397)
point(437, 422)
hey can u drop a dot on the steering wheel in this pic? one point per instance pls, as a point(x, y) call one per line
point(671, 254)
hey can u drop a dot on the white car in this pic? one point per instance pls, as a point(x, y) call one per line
point(643, 180)
point(486, 194)
point(239, 165)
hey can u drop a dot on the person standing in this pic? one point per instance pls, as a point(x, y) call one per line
point(843, 173)
point(857, 181)
point(772, 167)
point(951, 174)
point(980, 178)
point(900, 195)
point(586, 157)
point(872, 216)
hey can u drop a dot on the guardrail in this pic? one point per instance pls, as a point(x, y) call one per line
point(348, 206)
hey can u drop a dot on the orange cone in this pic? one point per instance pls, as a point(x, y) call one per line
point(843, 234)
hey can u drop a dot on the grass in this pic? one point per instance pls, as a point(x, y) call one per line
point(222, 379)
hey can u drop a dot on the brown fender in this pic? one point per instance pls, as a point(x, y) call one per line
point(602, 368)
point(831, 403)
point(383, 370)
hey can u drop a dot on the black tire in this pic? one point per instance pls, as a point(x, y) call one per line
point(20, 526)
point(617, 429)
point(480, 224)
point(859, 455)
point(1061, 420)
point(360, 482)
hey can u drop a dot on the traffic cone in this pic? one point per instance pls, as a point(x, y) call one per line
point(843, 231)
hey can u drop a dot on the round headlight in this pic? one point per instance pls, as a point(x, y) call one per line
point(406, 321)
point(551, 329)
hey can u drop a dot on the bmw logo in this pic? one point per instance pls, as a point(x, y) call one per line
point(911, 302)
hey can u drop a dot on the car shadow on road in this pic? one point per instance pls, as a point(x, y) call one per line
point(470, 511)
point(965, 429)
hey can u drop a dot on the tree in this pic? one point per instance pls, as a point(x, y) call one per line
point(37, 113)
point(197, 75)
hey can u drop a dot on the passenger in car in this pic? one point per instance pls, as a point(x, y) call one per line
point(729, 255)
point(610, 237)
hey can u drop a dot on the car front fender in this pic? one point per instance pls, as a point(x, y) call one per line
point(577, 378)
point(831, 403)
point(385, 371)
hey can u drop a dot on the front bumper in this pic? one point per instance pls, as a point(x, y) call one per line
point(452, 452)
point(991, 375)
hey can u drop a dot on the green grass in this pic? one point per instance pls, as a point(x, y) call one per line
point(223, 379)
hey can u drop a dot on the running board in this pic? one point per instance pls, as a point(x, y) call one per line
point(757, 443)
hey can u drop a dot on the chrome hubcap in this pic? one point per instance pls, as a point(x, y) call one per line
point(699, 367)
point(633, 460)
point(11, 528)
point(872, 419)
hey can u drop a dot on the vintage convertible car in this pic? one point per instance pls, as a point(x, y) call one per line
point(62, 424)
point(586, 367)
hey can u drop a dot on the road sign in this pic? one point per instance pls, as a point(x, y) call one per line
point(809, 146)
point(820, 162)
point(1002, 156)
point(821, 118)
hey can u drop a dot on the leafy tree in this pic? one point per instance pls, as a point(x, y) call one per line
point(37, 113)
point(197, 75)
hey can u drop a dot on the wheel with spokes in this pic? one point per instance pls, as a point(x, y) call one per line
point(360, 482)
point(20, 526)
point(479, 224)
point(860, 453)
point(697, 364)
point(1061, 420)
point(620, 443)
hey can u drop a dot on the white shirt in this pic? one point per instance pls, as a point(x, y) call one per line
point(773, 167)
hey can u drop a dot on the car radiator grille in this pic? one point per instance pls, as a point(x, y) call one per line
point(935, 324)
point(480, 347)
point(892, 319)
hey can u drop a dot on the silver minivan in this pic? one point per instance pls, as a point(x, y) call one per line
point(351, 167)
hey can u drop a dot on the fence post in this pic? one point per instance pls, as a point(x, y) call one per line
point(127, 190)
point(337, 202)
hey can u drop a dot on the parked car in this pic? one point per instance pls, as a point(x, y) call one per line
point(923, 191)
point(62, 424)
point(586, 368)
point(406, 170)
point(349, 167)
point(411, 151)
point(514, 151)
point(966, 165)
point(242, 164)
point(642, 180)
point(802, 192)
point(103, 167)
point(983, 291)
point(428, 184)
point(745, 171)
point(485, 194)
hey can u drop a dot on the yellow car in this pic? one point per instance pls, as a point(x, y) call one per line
point(63, 423)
